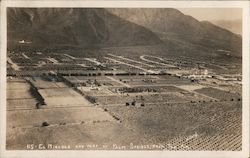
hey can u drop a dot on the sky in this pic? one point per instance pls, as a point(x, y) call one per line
point(211, 14)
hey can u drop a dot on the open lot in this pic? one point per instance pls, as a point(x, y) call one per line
point(56, 116)
point(17, 85)
point(41, 83)
point(63, 97)
point(96, 91)
point(19, 95)
point(15, 104)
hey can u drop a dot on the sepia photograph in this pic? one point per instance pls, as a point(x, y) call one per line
point(124, 78)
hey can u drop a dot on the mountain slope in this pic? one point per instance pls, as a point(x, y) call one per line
point(58, 28)
point(172, 24)
point(234, 26)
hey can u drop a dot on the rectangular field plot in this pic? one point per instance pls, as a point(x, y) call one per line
point(175, 79)
point(66, 101)
point(148, 98)
point(162, 89)
point(140, 89)
point(94, 80)
point(135, 77)
point(218, 94)
point(95, 91)
point(35, 118)
point(173, 97)
point(19, 94)
point(100, 78)
point(63, 97)
point(18, 104)
point(85, 78)
point(58, 92)
point(153, 80)
point(44, 84)
point(97, 132)
point(19, 85)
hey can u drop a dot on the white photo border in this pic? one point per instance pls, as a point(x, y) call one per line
point(128, 4)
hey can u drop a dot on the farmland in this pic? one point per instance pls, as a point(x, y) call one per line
point(145, 100)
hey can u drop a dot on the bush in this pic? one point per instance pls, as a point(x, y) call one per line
point(133, 103)
point(44, 124)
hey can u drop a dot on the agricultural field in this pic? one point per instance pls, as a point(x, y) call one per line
point(206, 126)
point(88, 80)
point(219, 94)
point(153, 80)
point(56, 116)
point(19, 95)
point(42, 83)
point(62, 97)
point(121, 102)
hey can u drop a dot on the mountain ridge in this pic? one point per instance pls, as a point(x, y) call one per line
point(111, 27)
point(182, 27)
point(75, 27)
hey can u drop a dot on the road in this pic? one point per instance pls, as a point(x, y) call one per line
point(25, 56)
point(71, 57)
point(13, 65)
point(138, 67)
point(93, 60)
point(131, 60)
point(53, 60)
point(151, 61)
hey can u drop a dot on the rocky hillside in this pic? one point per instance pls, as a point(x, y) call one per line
point(95, 28)
point(80, 28)
point(171, 24)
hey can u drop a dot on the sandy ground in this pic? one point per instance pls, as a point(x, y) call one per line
point(55, 116)
point(19, 96)
point(63, 97)
point(74, 123)
point(150, 125)
point(15, 104)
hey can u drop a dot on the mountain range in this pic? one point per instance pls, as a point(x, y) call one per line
point(74, 28)
point(173, 25)
point(91, 27)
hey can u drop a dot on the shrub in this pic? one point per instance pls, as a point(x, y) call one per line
point(44, 124)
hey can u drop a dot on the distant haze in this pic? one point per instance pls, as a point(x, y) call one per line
point(212, 14)
point(234, 26)
point(228, 18)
